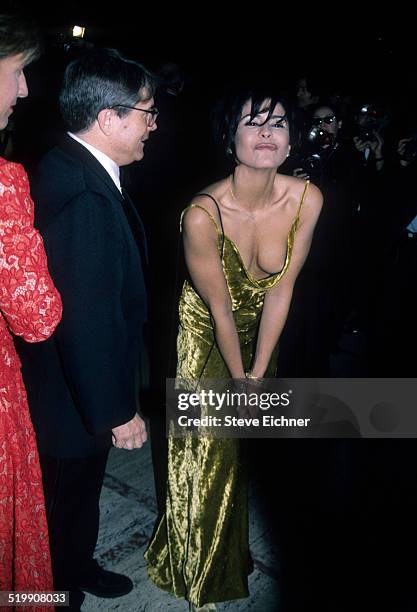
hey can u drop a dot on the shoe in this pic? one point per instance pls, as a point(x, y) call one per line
point(106, 584)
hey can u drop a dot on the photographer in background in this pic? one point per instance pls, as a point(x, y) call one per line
point(327, 160)
point(370, 139)
point(323, 472)
point(318, 145)
point(367, 138)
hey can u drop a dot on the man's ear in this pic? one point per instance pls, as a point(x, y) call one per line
point(105, 120)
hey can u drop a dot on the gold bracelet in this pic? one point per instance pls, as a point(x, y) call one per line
point(255, 379)
point(252, 376)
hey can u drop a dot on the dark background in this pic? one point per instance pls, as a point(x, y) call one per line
point(362, 52)
point(360, 47)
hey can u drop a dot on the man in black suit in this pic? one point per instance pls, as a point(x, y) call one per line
point(83, 384)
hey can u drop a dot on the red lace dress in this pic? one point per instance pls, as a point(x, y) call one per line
point(30, 307)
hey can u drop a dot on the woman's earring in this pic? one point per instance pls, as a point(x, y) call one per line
point(229, 151)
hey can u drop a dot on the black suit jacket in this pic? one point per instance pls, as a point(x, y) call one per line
point(81, 382)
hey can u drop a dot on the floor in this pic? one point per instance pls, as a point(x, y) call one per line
point(128, 514)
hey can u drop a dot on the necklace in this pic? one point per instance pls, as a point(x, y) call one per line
point(248, 212)
point(231, 191)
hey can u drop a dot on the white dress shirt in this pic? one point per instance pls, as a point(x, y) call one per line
point(412, 227)
point(108, 164)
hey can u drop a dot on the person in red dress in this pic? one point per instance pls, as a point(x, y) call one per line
point(30, 307)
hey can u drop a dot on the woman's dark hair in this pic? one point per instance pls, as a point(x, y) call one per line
point(99, 79)
point(228, 112)
point(19, 34)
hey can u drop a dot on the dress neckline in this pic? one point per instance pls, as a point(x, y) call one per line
point(246, 269)
point(222, 233)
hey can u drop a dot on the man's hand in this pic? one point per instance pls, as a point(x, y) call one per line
point(130, 435)
point(376, 145)
point(361, 145)
point(402, 145)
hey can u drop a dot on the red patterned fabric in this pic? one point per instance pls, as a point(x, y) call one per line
point(30, 307)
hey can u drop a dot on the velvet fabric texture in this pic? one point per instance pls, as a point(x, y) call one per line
point(200, 550)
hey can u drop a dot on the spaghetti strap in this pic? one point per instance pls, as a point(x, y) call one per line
point(211, 216)
point(217, 206)
point(203, 209)
point(219, 232)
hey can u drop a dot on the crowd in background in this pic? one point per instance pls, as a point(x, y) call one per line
point(354, 301)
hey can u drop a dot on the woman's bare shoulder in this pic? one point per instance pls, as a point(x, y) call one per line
point(202, 212)
point(208, 197)
point(197, 217)
point(313, 197)
point(297, 188)
point(311, 201)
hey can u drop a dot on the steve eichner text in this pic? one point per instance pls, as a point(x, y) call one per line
point(264, 401)
point(233, 421)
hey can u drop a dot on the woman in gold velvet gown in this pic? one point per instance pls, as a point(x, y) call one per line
point(245, 240)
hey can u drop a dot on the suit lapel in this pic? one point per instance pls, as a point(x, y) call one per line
point(74, 148)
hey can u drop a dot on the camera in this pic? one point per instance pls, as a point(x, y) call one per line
point(367, 122)
point(317, 138)
point(316, 141)
point(316, 146)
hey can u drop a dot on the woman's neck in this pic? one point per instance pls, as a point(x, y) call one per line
point(252, 189)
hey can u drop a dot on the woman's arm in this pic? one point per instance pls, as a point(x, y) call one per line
point(206, 271)
point(28, 298)
point(278, 299)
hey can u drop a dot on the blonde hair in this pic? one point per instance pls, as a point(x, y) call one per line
point(18, 34)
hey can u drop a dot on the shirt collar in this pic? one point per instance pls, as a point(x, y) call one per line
point(107, 163)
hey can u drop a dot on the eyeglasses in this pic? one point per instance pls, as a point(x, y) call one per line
point(151, 116)
point(328, 120)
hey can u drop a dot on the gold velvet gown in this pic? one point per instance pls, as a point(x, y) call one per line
point(200, 550)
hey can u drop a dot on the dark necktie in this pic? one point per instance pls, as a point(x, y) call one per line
point(136, 226)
